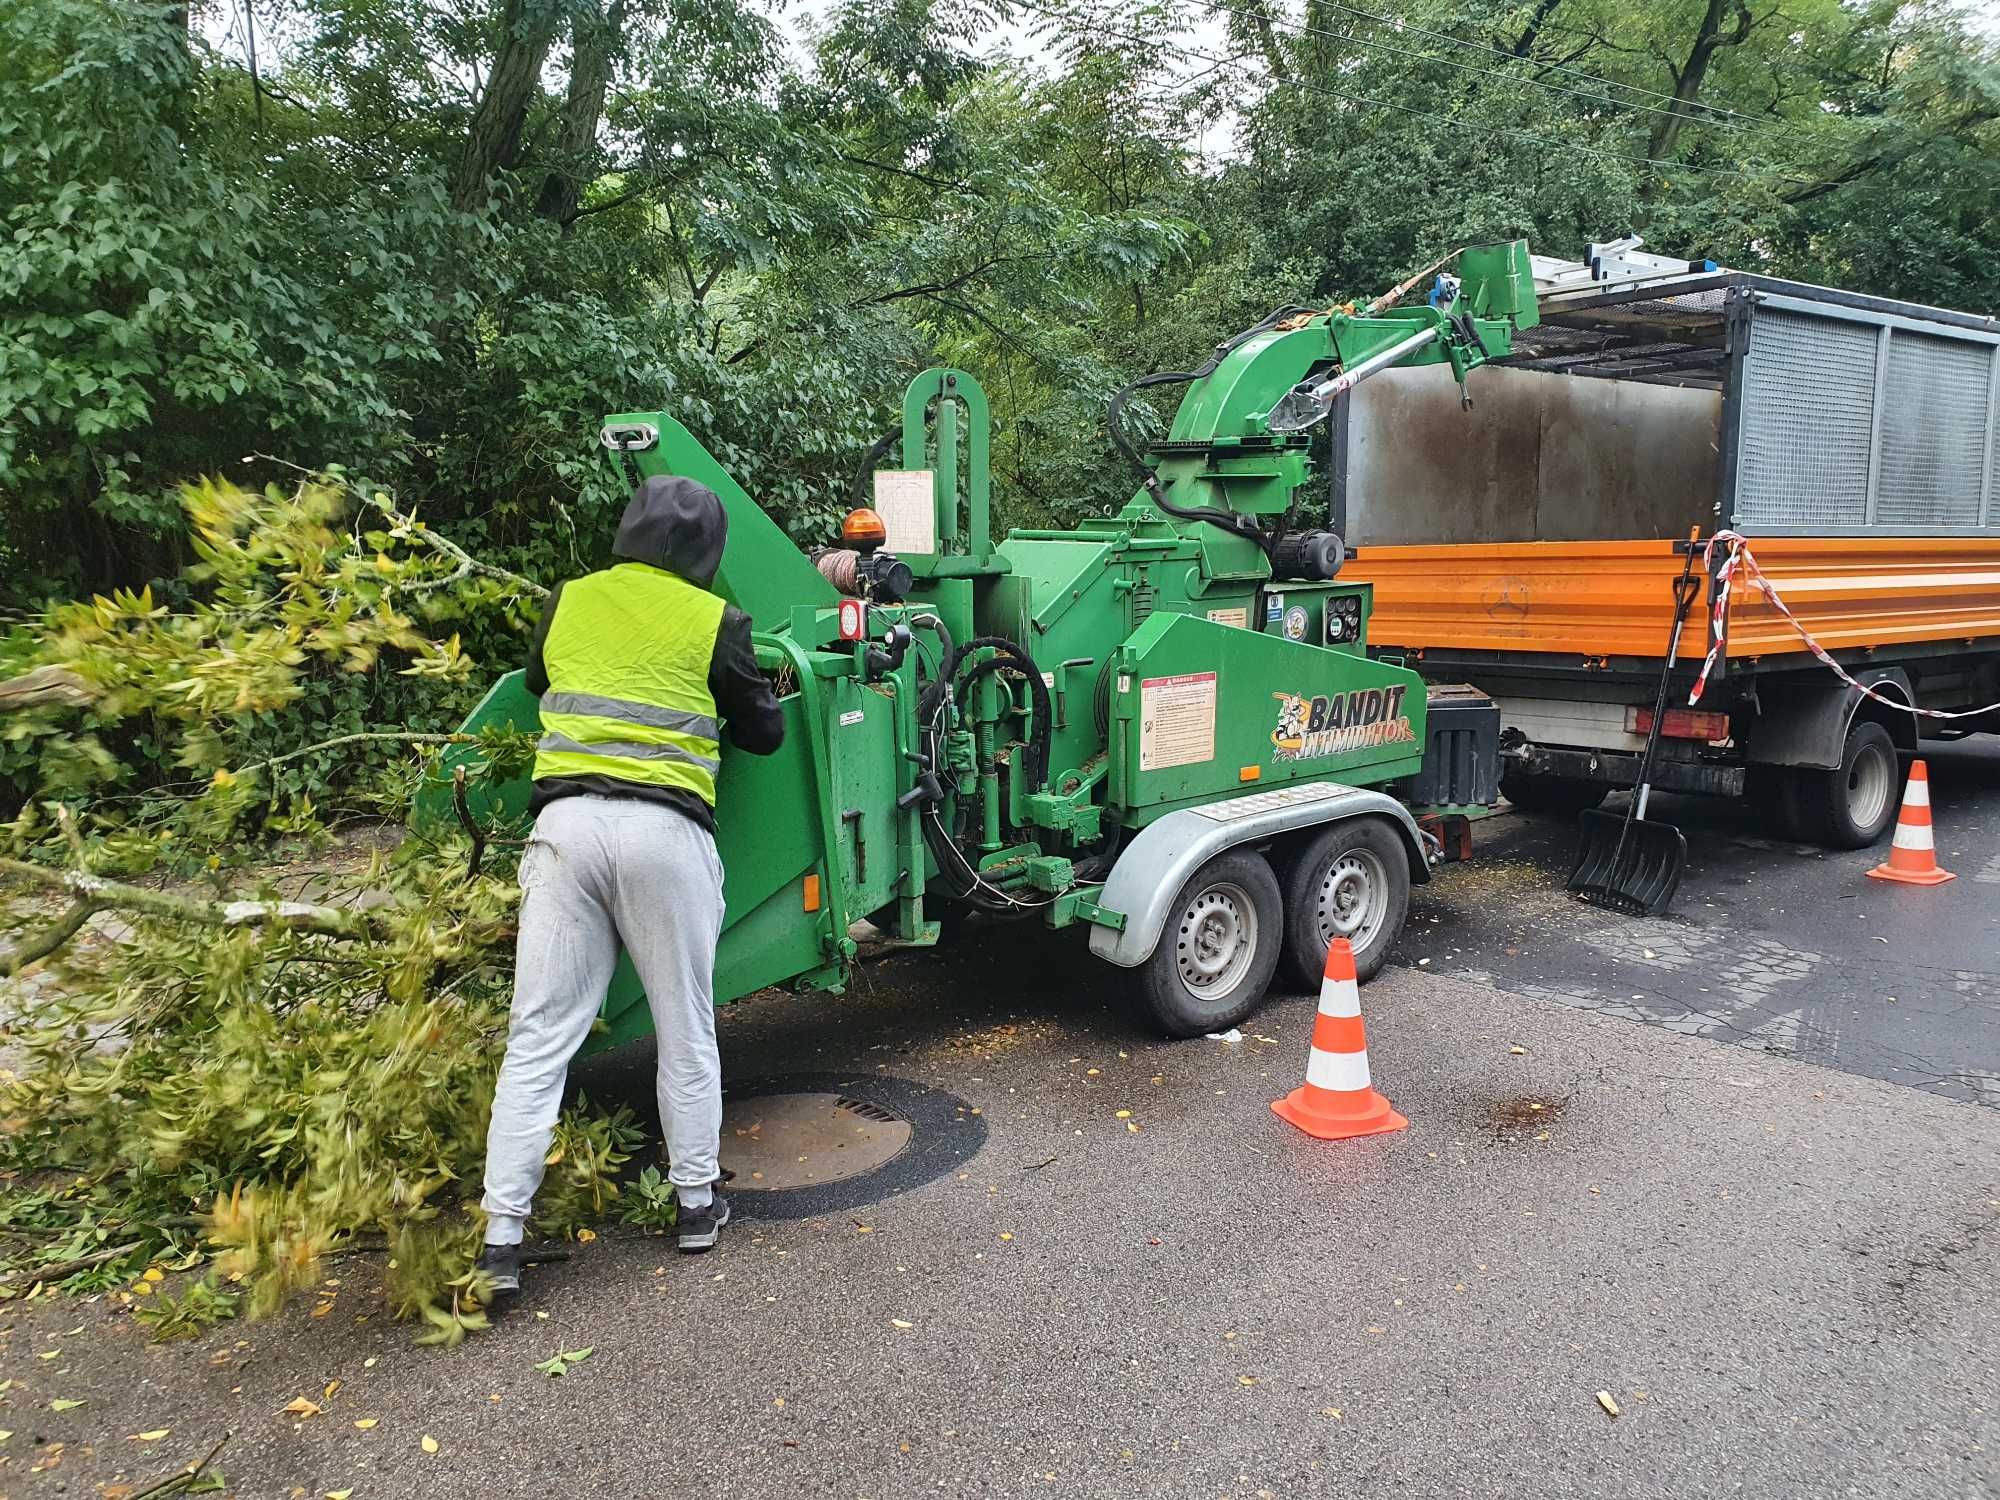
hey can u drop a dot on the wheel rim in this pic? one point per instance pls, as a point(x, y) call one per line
point(1217, 942)
point(1869, 787)
point(1353, 898)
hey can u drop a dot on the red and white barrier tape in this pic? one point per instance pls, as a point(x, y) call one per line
point(1740, 557)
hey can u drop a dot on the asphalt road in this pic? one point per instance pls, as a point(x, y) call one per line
point(1773, 945)
point(1784, 1277)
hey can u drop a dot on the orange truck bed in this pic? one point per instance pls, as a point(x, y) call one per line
point(1599, 600)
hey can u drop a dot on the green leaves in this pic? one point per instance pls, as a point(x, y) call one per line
point(560, 1364)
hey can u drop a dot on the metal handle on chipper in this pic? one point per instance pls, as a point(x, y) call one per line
point(1306, 404)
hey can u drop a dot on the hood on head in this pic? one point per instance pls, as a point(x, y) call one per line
point(676, 524)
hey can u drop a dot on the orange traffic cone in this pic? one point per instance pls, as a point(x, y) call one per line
point(1337, 1100)
point(1913, 856)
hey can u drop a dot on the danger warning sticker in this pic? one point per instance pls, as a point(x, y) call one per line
point(1176, 720)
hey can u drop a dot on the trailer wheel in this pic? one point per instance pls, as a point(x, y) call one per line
point(1220, 946)
point(1352, 881)
point(1559, 795)
point(1853, 807)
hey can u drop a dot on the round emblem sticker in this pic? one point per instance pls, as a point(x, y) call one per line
point(1295, 623)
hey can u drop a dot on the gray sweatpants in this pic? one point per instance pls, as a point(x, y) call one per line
point(600, 871)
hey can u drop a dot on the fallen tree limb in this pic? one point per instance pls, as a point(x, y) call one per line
point(32, 950)
point(43, 685)
point(401, 736)
point(64, 1268)
point(410, 528)
point(97, 893)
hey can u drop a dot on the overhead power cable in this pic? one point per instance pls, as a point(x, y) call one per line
point(1549, 142)
point(1304, 28)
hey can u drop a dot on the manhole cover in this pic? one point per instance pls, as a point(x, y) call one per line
point(774, 1141)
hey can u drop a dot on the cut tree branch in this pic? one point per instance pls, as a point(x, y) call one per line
point(97, 893)
point(43, 685)
point(32, 950)
point(409, 528)
point(400, 736)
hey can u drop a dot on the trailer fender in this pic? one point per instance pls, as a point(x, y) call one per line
point(1806, 724)
point(1157, 863)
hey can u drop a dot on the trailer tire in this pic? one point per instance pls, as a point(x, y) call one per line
point(1559, 795)
point(1351, 881)
point(1852, 807)
point(1220, 947)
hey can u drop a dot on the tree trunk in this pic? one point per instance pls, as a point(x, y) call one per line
point(1525, 43)
point(1267, 38)
point(527, 30)
point(1689, 77)
point(593, 53)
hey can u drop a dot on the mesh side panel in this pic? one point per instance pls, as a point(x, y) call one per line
point(1933, 432)
point(1807, 405)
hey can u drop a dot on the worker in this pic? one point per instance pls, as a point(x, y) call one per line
point(640, 669)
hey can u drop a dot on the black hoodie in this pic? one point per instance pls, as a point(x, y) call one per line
point(679, 526)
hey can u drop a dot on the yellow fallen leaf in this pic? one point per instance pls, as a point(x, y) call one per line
point(900, 1323)
point(864, 1228)
point(1518, 1051)
point(1133, 1126)
point(1246, 1379)
point(430, 1444)
point(5, 1433)
point(149, 1437)
point(331, 1387)
point(778, 1402)
point(1090, 1072)
point(154, 1273)
point(585, 1236)
point(299, 1406)
point(1604, 1400)
point(367, 1424)
point(338, 1494)
point(1330, 1411)
point(143, 1289)
point(48, 1354)
point(1124, 1114)
point(1006, 1234)
point(368, 1363)
point(322, 1310)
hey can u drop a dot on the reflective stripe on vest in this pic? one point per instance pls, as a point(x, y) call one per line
point(628, 655)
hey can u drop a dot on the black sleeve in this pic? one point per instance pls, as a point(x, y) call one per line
point(538, 670)
point(750, 713)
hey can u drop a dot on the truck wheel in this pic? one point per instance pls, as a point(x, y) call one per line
point(1552, 794)
point(1352, 881)
point(1853, 807)
point(1220, 946)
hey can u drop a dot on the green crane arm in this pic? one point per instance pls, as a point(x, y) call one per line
point(1237, 448)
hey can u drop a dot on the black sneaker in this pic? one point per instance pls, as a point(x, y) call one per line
point(502, 1267)
point(699, 1227)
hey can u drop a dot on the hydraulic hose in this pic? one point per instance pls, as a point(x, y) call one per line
point(1114, 412)
point(857, 491)
point(1012, 655)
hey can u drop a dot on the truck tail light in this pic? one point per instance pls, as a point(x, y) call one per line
point(853, 619)
point(1679, 723)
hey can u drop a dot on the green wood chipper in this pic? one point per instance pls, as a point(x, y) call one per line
point(1164, 725)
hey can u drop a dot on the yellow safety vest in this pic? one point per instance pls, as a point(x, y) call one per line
point(628, 654)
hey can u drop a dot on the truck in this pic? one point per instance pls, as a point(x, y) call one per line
point(1165, 726)
point(1840, 446)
